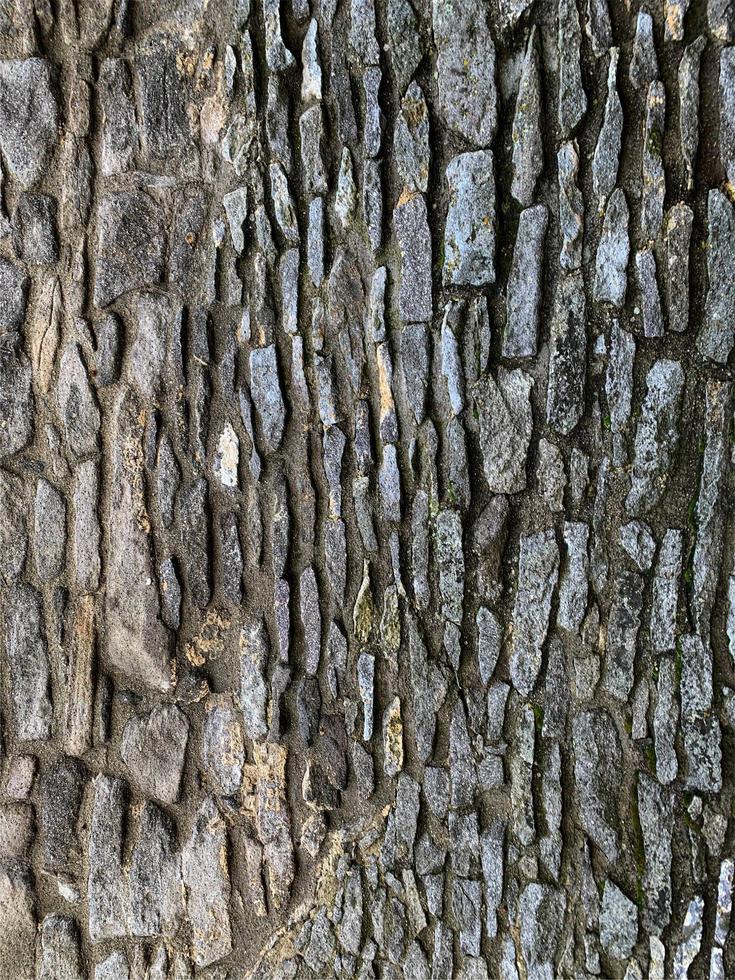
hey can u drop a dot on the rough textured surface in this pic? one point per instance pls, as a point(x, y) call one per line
point(367, 556)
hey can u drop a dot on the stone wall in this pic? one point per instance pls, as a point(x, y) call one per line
point(367, 601)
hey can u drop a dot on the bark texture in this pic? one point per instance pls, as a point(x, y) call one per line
point(367, 584)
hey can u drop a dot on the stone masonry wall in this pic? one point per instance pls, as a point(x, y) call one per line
point(367, 583)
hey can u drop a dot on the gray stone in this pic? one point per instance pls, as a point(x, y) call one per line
point(619, 377)
point(13, 526)
point(727, 111)
point(266, 393)
point(469, 234)
point(598, 27)
point(14, 285)
point(170, 594)
point(618, 922)
point(462, 769)
point(162, 100)
point(653, 176)
point(26, 652)
point(550, 477)
point(311, 129)
point(622, 632)
point(643, 63)
point(665, 593)
point(538, 570)
point(154, 879)
point(17, 924)
point(414, 241)
point(598, 762)
point(130, 245)
point(36, 238)
point(283, 205)
point(60, 953)
point(411, 141)
point(105, 884)
point(637, 541)
point(119, 137)
point(688, 78)
point(679, 224)
point(223, 751)
point(524, 290)
point(207, 882)
point(506, 424)
point(17, 830)
point(665, 722)
point(700, 727)
point(108, 353)
point(49, 531)
point(520, 767)
point(571, 207)
point(86, 531)
point(656, 811)
point(254, 647)
point(77, 404)
point(16, 396)
point(428, 690)
point(717, 333)
point(528, 150)
point(567, 358)
point(194, 540)
point(60, 792)
point(611, 263)
point(691, 938)
point(657, 436)
point(28, 117)
point(540, 920)
point(708, 515)
point(405, 41)
point(153, 747)
point(606, 160)
point(572, 98)
point(465, 70)
point(645, 263)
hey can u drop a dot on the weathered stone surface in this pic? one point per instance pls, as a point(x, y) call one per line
point(657, 436)
point(27, 658)
point(469, 234)
point(597, 771)
point(611, 264)
point(525, 284)
point(366, 560)
point(540, 919)
point(607, 152)
point(538, 570)
point(688, 79)
point(506, 423)
point(207, 881)
point(60, 953)
point(566, 387)
point(16, 396)
point(528, 150)
point(716, 335)
point(156, 898)
point(130, 246)
point(465, 70)
point(29, 117)
point(105, 886)
point(137, 642)
point(618, 922)
point(153, 747)
point(17, 924)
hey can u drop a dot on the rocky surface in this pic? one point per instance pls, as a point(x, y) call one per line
point(367, 557)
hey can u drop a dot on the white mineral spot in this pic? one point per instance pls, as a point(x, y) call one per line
point(228, 456)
